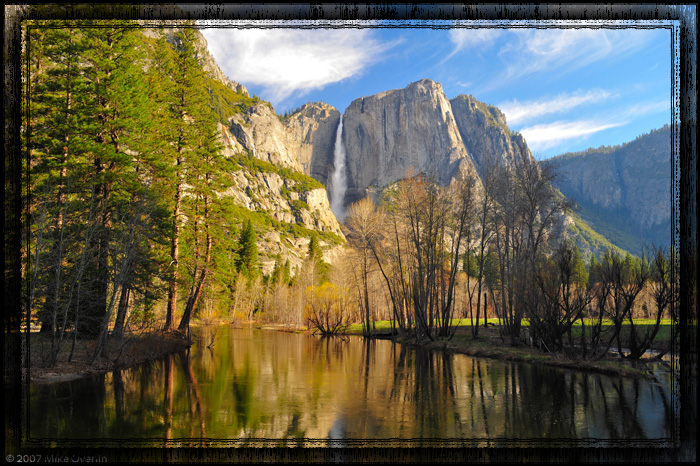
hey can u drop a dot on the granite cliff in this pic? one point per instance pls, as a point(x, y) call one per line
point(390, 134)
point(386, 136)
point(486, 134)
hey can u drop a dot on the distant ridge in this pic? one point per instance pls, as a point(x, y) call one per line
point(623, 192)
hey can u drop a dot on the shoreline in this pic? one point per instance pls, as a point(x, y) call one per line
point(488, 345)
point(155, 345)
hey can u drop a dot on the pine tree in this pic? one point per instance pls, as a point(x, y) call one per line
point(205, 177)
point(247, 254)
point(57, 114)
point(189, 136)
point(114, 68)
point(580, 274)
point(314, 256)
point(94, 161)
point(593, 270)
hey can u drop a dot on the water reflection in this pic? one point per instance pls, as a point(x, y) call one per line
point(297, 390)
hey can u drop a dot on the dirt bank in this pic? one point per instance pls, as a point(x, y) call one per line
point(121, 354)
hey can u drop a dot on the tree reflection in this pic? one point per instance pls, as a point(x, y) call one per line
point(168, 396)
point(290, 387)
point(196, 405)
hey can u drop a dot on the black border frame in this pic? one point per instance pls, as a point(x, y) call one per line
point(684, 230)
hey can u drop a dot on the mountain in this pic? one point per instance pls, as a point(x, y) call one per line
point(391, 133)
point(387, 136)
point(623, 192)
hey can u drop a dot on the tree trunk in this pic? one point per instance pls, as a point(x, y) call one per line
point(194, 298)
point(174, 251)
point(118, 330)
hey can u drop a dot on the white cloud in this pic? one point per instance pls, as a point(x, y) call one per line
point(287, 60)
point(541, 137)
point(517, 112)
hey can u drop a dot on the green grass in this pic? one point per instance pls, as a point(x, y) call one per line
point(641, 325)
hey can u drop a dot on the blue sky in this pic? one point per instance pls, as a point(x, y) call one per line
point(564, 88)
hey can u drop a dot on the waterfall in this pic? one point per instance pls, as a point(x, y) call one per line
point(338, 182)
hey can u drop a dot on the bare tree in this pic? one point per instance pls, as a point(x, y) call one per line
point(364, 223)
point(665, 295)
point(624, 279)
point(560, 299)
point(508, 246)
point(459, 224)
point(376, 231)
point(528, 212)
point(486, 205)
point(326, 308)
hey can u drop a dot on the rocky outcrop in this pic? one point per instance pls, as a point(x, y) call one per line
point(259, 130)
point(302, 142)
point(394, 133)
point(486, 135)
point(278, 199)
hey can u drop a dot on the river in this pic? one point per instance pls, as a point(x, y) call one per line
point(248, 387)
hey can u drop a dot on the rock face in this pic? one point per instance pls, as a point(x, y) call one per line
point(303, 142)
point(418, 129)
point(386, 136)
point(390, 134)
point(625, 191)
point(486, 135)
point(312, 131)
point(288, 208)
point(278, 198)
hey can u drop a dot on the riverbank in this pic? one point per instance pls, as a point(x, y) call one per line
point(124, 353)
point(490, 345)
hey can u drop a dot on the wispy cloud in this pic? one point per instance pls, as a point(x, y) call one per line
point(466, 38)
point(553, 52)
point(646, 108)
point(289, 61)
point(570, 49)
point(542, 137)
point(517, 112)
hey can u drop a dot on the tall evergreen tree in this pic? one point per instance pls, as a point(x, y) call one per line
point(247, 254)
point(57, 116)
point(185, 102)
point(114, 69)
point(205, 178)
point(94, 163)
